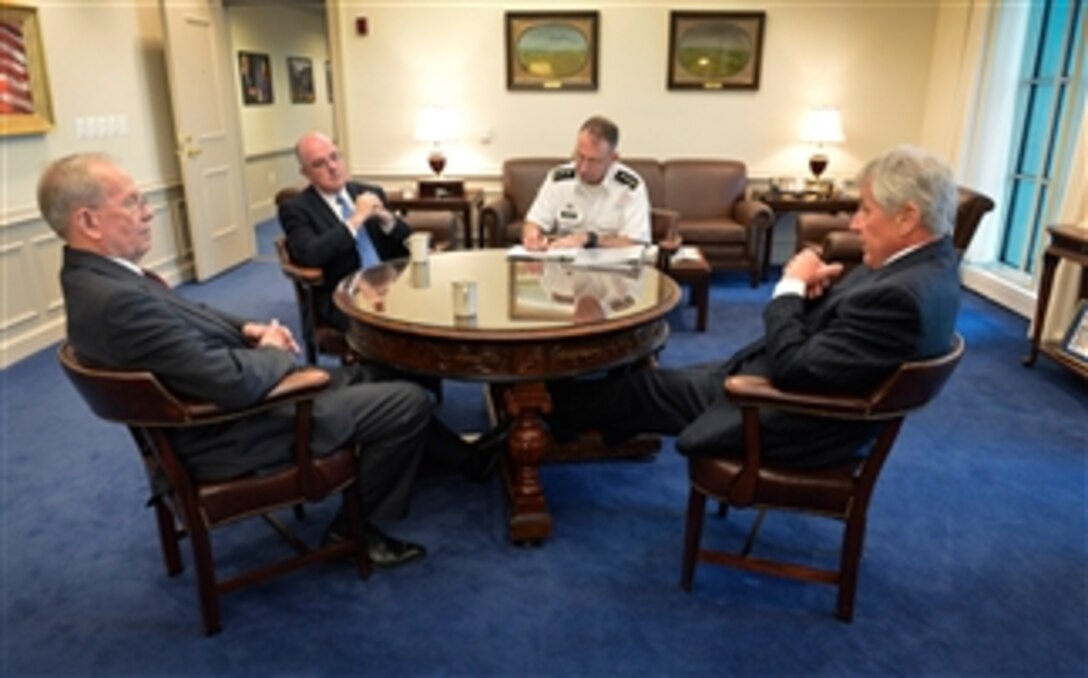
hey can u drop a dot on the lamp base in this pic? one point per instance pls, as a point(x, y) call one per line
point(817, 163)
point(437, 161)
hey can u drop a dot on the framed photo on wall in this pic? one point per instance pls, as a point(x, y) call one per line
point(715, 50)
point(300, 74)
point(1075, 344)
point(551, 50)
point(25, 106)
point(255, 71)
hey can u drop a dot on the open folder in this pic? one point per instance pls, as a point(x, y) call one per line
point(598, 257)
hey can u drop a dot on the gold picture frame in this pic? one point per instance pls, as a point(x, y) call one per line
point(715, 50)
point(551, 50)
point(1075, 343)
point(300, 75)
point(255, 76)
point(25, 104)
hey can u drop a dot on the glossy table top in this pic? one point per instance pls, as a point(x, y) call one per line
point(514, 299)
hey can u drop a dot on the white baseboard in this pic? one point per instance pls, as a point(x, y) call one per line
point(28, 343)
point(1013, 295)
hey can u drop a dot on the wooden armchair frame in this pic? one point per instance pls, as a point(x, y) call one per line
point(150, 411)
point(841, 492)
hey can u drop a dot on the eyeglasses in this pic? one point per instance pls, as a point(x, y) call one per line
point(135, 202)
point(322, 163)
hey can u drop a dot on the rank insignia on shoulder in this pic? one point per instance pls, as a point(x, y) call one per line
point(563, 173)
point(628, 179)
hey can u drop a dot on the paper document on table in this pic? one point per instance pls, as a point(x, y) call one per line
point(686, 253)
point(558, 254)
point(610, 256)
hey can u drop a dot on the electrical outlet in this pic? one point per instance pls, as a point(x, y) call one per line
point(271, 177)
point(81, 128)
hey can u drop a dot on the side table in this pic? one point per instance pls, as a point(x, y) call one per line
point(1065, 243)
point(464, 207)
point(694, 272)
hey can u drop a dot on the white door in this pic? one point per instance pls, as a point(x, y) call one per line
point(209, 143)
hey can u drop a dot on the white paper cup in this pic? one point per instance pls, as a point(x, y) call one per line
point(419, 246)
point(464, 298)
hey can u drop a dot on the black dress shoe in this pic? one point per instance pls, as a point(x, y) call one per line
point(386, 552)
point(486, 451)
point(382, 550)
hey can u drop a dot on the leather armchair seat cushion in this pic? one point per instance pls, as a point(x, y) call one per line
point(713, 232)
point(828, 490)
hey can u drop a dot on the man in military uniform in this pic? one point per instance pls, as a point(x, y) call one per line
point(592, 201)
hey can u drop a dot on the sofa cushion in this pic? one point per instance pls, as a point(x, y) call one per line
point(712, 231)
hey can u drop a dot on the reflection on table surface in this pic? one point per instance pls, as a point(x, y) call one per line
point(511, 295)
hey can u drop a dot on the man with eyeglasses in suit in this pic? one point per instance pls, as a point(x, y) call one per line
point(337, 225)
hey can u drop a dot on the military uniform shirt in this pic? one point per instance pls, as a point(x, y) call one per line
point(617, 206)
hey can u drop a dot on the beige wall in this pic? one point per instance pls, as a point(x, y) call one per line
point(871, 59)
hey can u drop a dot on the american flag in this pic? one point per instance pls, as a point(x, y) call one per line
point(15, 95)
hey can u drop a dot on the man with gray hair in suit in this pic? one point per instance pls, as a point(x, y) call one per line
point(121, 318)
point(899, 306)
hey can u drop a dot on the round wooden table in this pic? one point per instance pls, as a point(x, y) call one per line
point(535, 321)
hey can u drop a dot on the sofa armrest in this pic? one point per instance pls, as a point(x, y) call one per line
point(663, 223)
point(753, 213)
point(813, 229)
point(494, 216)
point(843, 247)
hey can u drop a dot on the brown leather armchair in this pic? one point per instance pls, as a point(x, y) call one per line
point(715, 216)
point(840, 492)
point(833, 237)
point(150, 411)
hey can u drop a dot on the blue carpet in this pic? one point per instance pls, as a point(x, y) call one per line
point(975, 560)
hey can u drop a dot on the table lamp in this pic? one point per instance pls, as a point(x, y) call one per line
point(435, 124)
point(821, 125)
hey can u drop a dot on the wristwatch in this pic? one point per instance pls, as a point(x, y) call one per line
point(591, 239)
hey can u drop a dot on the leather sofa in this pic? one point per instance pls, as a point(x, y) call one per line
point(705, 197)
point(836, 242)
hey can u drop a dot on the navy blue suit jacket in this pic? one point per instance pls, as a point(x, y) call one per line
point(847, 341)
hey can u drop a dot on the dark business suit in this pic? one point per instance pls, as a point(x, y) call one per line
point(317, 237)
point(120, 319)
point(846, 341)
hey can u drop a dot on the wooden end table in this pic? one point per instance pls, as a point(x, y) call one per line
point(695, 273)
point(463, 206)
point(1069, 243)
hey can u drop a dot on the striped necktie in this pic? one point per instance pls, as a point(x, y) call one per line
point(368, 254)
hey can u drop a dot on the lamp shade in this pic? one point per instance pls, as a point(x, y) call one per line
point(435, 123)
point(822, 125)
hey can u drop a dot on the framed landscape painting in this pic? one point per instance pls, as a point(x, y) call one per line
point(551, 50)
point(715, 50)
